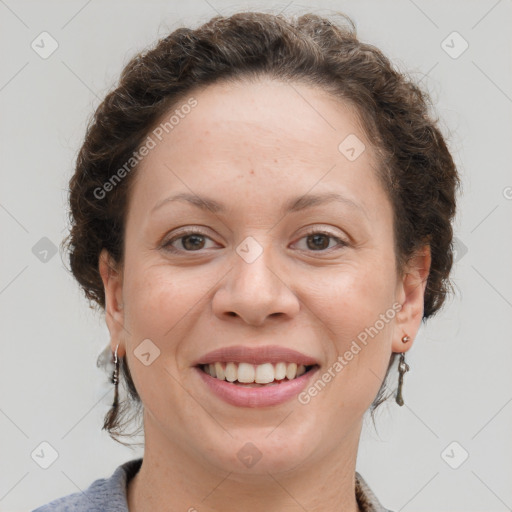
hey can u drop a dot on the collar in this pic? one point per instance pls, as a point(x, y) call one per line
point(110, 494)
point(365, 497)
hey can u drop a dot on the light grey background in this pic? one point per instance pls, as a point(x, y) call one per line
point(459, 387)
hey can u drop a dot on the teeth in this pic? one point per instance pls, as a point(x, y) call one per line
point(291, 371)
point(260, 374)
point(231, 372)
point(219, 371)
point(280, 371)
point(246, 373)
point(264, 373)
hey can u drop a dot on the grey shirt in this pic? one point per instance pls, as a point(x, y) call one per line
point(109, 494)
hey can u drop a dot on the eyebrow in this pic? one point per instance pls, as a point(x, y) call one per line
point(293, 205)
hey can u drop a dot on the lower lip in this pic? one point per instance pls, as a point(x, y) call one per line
point(263, 396)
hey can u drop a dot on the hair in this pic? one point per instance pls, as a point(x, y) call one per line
point(415, 167)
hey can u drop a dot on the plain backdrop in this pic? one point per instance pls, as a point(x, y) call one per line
point(449, 448)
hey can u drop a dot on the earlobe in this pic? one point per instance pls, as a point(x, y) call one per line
point(411, 294)
point(113, 286)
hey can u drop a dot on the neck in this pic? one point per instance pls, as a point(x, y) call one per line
point(170, 475)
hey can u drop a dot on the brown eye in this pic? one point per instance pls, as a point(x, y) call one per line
point(192, 242)
point(319, 241)
point(189, 241)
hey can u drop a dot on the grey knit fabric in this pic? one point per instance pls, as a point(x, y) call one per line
point(109, 494)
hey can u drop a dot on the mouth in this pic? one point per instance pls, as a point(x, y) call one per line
point(251, 376)
point(256, 375)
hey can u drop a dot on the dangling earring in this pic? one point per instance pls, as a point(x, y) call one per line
point(402, 368)
point(115, 377)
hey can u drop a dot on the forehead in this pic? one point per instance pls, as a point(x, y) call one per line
point(264, 111)
point(279, 135)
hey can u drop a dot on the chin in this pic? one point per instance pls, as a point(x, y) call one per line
point(259, 453)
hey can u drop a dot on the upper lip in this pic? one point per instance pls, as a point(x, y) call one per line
point(256, 355)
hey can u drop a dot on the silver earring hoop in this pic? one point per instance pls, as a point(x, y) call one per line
point(115, 374)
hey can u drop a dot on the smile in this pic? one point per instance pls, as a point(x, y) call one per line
point(255, 376)
point(252, 375)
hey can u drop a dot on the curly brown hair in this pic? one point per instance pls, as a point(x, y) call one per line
point(415, 168)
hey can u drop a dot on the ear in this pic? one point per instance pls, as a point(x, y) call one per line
point(410, 293)
point(114, 314)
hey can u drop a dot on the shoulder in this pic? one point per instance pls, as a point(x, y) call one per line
point(103, 495)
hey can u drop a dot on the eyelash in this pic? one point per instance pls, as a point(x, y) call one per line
point(168, 245)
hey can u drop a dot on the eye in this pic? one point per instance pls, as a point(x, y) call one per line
point(189, 241)
point(195, 240)
point(318, 241)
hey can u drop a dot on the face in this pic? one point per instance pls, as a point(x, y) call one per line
point(257, 274)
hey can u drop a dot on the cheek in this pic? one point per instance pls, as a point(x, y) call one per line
point(161, 307)
point(351, 297)
point(158, 299)
point(166, 304)
point(354, 308)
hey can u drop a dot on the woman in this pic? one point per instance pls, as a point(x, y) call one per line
point(263, 209)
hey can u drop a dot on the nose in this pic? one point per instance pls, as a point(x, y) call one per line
point(256, 291)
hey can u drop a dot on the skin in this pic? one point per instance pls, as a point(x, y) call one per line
point(252, 147)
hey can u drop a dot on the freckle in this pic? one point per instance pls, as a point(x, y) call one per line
point(252, 171)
